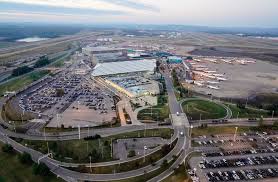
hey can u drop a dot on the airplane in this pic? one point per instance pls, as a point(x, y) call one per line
point(221, 79)
point(213, 87)
point(218, 75)
point(212, 82)
point(199, 84)
point(227, 61)
point(210, 71)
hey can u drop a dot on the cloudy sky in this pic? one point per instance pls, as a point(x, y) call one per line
point(255, 13)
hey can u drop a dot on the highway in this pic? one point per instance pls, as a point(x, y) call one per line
point(74, 135)
point(180, 123)
point(180, 148)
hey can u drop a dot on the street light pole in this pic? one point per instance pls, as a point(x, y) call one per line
point(190, 133)
point(235, 133)
point(111, 148)
point(14, 127)
point(144, 154)
point(58, 120)
point(90, 163)
point(145, 130)
point(79, 134)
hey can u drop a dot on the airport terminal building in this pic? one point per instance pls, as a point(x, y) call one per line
point(124, 67)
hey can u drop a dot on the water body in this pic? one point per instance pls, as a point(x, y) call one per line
point(32, 39)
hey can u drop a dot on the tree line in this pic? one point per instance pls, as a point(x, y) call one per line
point(42, 61)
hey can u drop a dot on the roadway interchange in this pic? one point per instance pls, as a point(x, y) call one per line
point(181, 148)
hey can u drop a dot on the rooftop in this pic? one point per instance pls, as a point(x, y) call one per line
point(113, 68)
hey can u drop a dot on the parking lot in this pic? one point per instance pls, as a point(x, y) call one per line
point(122, 147)
point(46, 97)
point(248, 156)
point(69, 98)
point(241, 175)
point(92, 107)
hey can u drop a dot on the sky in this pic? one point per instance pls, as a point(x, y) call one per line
point(220, 13)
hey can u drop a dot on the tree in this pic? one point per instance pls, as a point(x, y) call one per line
point(25, 158)
point(7, 148)
point(60, 92)
point(95, 155)
point(95, 137)
point(41, 169)
point(157, 65)
point(165, 149)
point(2, 179)
point(131, 153)
point(42, 62)
point(21, 70)
point(164, 163)
point(53, 146)
point(240, 105)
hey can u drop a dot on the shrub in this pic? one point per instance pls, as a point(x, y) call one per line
point(7, 148)
point(25, 158)
point(96, 136)
point(131, 153)
point(21, 70)
point(41, 169)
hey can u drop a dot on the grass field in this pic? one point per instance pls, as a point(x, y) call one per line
point(11, 170)
point(207, 110)
point(57, 130)
point(156, 113)
point(179, 175)
point(216, 130)
point(127, 166)
point(60, 61)
point(20, 82)
point(79, 150)
point(247, 112)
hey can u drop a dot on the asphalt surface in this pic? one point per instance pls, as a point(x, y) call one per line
point(73, 176)
point(180, 148)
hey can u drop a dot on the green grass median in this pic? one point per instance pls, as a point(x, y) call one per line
point(80, 150)
point(202, 109)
